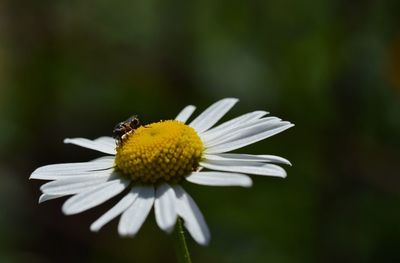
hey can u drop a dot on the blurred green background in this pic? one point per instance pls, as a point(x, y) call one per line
point(332, 67)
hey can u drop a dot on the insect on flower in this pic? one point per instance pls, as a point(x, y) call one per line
point(123, 128)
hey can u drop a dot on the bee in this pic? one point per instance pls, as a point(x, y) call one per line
point(121, 129)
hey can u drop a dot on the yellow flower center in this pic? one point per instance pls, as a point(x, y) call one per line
point(165, 151)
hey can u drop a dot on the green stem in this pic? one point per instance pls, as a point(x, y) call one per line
point(181, 245)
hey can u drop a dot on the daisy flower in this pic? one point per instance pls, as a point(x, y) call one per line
point(152, 161)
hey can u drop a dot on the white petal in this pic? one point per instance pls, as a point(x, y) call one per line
point(266, 169)
point(110, 141)
point(86, 200)
point(185, 114)
point(212, 114)
point(241, 130)
point(250, 137)
point(234, 163)
point(133, 218)
point(107, 157)
point(76, 184)
point(228, 126)
point(118, 209)
point(246, 158)
point(219, 179)
point(99, 144)
point(253, 127)
point(164, 207)
point(56, 171)
point(46, 197)
point(192, 216)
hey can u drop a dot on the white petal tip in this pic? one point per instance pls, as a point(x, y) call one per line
point(41, 199)
point(233, 100)
point(280, 174)
point(169, 230)
point(283, 161)
point(205, 242)
point(67, 140)
point(94, 228)
point(35, 174)
point(66, 211)
point(125, 234)
point(247, 183)
point(122, 234)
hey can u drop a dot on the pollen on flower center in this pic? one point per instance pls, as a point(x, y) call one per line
point(165, 151)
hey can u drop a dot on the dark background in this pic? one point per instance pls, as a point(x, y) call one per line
point(75, 68)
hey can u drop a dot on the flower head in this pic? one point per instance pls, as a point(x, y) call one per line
point(152, 161)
